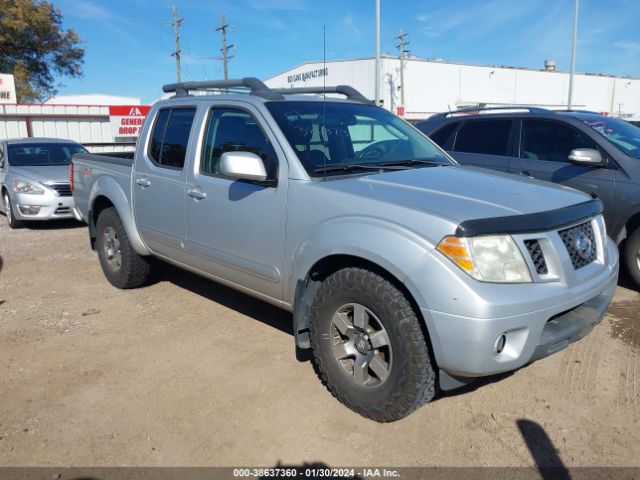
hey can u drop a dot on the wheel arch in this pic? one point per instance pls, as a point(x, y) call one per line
point(307, 287)
point(106, 193)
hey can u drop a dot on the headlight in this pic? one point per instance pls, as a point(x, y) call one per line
point(488, 259)
point(22, 186)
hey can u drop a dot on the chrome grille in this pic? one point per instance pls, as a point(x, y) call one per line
point(539, 262)
point(581, 244)
point(63, 189)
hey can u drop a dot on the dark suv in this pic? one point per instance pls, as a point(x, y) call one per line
point(594, 153)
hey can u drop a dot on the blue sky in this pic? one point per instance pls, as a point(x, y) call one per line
point(128, 42)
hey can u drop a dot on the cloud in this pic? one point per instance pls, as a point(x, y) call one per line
point(350, 28)
point(93, 11)
point(296, 5)
point(120, 25)
point(469, 22)
point(629, 48)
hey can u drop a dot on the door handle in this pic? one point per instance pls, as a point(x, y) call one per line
point(143, 182)
point(525, 173)
point(196, 192)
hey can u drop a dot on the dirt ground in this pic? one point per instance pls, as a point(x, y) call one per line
point(187, 372)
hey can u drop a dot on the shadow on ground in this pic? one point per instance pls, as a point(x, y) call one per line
point(544, 453)
point(55, 225)
point(232, 299)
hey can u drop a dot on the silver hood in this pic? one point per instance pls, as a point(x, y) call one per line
point(43, 174)
point(460, 194)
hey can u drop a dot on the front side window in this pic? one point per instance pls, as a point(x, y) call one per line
point(550, 141)
point(42, 154)
point(623, 135)
point(330, 135)
point(487, 137)
point(170, 136)
point(234, 130)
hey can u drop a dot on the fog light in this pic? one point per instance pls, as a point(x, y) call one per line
point(29, 209)
point(498, 347)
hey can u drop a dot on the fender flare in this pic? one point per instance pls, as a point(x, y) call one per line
point(391, 247)
point(109, 188)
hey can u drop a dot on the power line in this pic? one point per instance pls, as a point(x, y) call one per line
point(402, 53)
point(225, 48)
point(176, 22)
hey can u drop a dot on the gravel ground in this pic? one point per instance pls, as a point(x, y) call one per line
point(187, 372)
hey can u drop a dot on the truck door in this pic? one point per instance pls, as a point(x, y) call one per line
point(159, 180)
point(236, 229)
point(544, 154)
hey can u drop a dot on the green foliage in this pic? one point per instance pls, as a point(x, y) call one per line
point(35, 47)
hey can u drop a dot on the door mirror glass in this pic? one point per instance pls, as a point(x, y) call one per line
point(588, 157)
point(243, 166)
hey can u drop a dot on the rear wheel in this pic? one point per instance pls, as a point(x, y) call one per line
point(8, 211)
point(368, 345)
point(121, 264)
point(631, 257)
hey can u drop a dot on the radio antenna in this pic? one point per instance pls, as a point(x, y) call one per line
point(324, 101)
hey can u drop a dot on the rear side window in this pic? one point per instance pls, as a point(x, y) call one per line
point(550, 141)
point(170, 137)
point(488, 137)
point(442, 136)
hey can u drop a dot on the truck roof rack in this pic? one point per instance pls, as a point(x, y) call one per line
point(256, 87)
point(466, 110)
point(346, 90)
point(573, 110)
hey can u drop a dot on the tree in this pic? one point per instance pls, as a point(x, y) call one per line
point(35, 47)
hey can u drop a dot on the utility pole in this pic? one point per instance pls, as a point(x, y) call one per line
point(401, 48)
point(177, 21)
point(225, 48)
point(377, 66)
point(573, 54)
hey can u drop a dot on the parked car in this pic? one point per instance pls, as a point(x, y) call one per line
point(597, 154)
point(403, 270)
point(34, 179)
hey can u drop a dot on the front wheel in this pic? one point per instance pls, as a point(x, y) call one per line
point(369, 347)
point(121, 264)
point(631, 257)
point(8, 211)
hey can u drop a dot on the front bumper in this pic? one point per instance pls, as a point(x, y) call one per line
point(51, 206)
point(465, 346)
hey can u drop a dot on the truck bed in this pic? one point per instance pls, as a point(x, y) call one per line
point(90, 169)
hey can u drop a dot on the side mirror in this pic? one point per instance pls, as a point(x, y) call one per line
point(586, 157)
point(243, 166)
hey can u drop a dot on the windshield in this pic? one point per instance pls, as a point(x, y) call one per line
point(622, 134)
point(42, 154)
point(330, 135)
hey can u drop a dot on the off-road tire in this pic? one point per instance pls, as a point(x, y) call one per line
point(9, 212)
point(631, 258)
point(133, 270)
point(411, 381)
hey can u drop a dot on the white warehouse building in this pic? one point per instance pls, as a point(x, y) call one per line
point(432, 86)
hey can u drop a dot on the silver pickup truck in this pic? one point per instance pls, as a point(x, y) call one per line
point(404, 271)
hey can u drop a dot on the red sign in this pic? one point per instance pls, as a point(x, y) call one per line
point(400, 110)
point(127, 120)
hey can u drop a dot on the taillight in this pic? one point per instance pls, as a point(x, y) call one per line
point(71, 175)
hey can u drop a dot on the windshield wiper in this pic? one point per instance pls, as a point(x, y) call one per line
point(348, 167)
point(414, 161)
